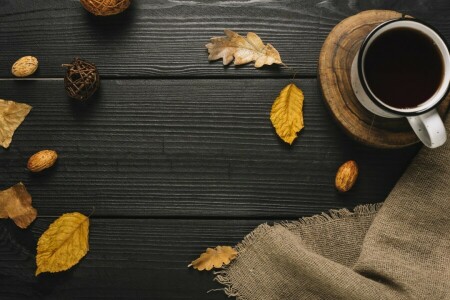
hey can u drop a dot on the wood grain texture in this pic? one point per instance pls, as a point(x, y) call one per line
point(160, 38)
point(127, 259)
point(334, 70)
point(191, 148)
point(173, 164)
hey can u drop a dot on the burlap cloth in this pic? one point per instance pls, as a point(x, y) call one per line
point(398, 250)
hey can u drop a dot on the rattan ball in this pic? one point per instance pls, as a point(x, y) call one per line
point(81, 80)
point(105, 7)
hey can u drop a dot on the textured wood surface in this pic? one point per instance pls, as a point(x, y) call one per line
point(166, 38)
point(335, 63)
point(128, 259)
point(145, 148)
point(175, 153)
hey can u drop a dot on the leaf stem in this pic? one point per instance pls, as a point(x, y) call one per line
point(294, 71)
point(92, 212)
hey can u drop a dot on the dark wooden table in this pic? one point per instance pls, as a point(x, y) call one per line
point(175, 153)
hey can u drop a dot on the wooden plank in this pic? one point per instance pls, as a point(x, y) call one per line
point(128, 259)
point(156, 38)
point(202, 148)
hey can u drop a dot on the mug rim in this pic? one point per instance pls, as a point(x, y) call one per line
point(365, 85)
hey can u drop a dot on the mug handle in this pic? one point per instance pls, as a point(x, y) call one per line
point(429, 128)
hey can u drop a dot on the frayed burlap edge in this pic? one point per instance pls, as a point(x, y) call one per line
point(332, 215)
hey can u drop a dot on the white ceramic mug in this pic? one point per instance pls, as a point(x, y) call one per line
point(424, 119)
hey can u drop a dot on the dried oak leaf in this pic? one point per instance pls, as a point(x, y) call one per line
point(63, 244)
point(242, 49)
point(15, 203)
point(221, 255)
point(287, 113)
point(12, 115)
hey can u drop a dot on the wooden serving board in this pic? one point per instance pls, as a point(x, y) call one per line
point(335, 62)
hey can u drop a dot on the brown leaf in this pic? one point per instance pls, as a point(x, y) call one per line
point(12, 115)
point(221, 255)
point(15, 203)
point(242, 49)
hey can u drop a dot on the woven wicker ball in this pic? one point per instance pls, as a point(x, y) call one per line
point(105, 7)
point(81, 80)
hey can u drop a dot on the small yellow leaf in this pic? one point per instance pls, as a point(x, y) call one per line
point(12, 115)
point(242, 49)
point(221, 255)
point(63, 244)
point(15, 203)
point(287, 113)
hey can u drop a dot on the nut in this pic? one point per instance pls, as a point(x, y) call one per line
point(42, 160)
point(346, 176)
point(25, 66)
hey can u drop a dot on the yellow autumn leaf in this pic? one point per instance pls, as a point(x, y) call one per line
point(63, 244)
point(287, 113)
point(12, 115)
point(15, 203)
point(214, 258)
point(242, 49)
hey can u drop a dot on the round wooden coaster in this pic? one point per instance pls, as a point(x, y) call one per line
point(335, 62)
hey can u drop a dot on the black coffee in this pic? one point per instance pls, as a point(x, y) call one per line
point(403, 67)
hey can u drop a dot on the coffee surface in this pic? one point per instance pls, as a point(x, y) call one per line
point(403, 67)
